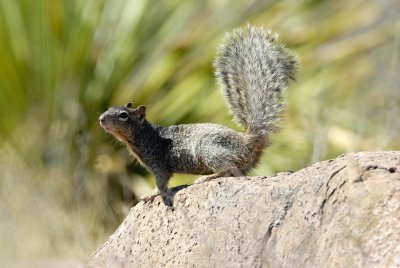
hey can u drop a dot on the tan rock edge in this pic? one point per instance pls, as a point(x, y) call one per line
point(338, 213)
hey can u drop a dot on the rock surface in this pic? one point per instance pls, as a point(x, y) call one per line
point(338, 213)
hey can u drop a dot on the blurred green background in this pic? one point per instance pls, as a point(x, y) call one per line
point(65, 184)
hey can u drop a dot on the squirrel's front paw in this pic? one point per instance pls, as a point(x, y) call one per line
point(149, 198)
point(166, 196)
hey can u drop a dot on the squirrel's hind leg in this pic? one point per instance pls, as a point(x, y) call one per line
point(230, 172)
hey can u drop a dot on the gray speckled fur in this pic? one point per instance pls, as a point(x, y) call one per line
point(253, 69)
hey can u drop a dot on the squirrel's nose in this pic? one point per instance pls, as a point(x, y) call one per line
point(102, 119)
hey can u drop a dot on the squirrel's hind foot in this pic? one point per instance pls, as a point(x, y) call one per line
point(206, 178)
point(231, 172)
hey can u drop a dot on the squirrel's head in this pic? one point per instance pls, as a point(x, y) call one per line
point(123, 121)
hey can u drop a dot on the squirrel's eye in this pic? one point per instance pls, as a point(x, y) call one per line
point(123, 116)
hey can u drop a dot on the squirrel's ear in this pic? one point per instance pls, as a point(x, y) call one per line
point(141, 111)
point(128, 105)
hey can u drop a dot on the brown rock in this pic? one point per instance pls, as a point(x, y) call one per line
point(338, 213)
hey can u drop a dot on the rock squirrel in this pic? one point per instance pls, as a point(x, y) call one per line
point(253, 69)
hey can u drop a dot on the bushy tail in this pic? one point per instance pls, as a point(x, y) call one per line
point(253, 69)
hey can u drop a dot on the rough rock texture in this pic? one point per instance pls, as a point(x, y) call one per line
point(338, 213)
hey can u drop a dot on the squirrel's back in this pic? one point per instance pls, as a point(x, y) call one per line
point(253, 69)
